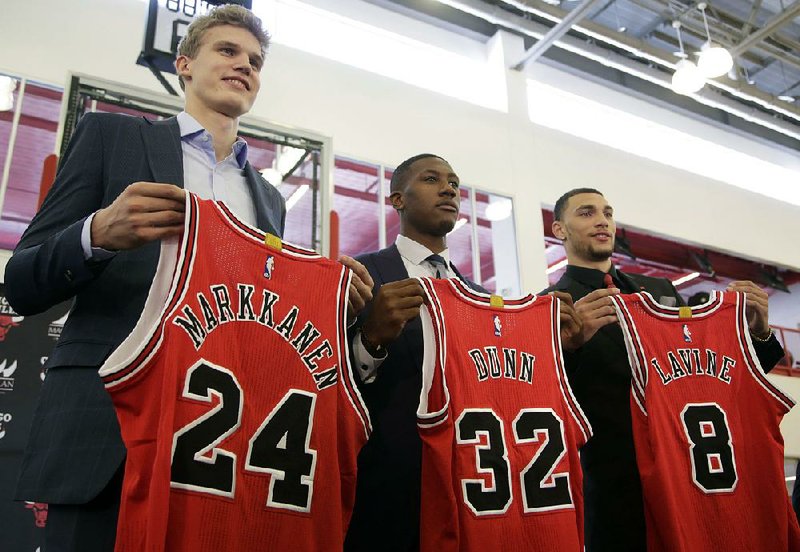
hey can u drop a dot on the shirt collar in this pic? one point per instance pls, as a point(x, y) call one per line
point(593, 278)
point(416, 253)
point(191, 131)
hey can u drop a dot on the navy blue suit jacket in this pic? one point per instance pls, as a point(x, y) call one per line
point(75, 445)
point(387, 509)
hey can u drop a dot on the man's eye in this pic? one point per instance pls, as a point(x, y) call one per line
point(226, 50)
point(454, 184)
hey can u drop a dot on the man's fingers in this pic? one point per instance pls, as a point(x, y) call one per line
point(157, 190)
point(358, 269)
point(160, 232)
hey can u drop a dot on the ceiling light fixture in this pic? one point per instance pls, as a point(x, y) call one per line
point(687, 78)
point(714, 60)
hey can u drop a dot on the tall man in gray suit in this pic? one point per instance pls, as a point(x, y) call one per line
point(118, 192)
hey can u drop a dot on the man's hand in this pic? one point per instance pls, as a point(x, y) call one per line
point(571, 323)
point(143, 212)
point(756, 307)
point(396, 304)
point(360, 287)
point(596, 311)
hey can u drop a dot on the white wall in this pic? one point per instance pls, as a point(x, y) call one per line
point(378, 118)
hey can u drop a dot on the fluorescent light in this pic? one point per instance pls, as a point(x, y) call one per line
point(602, 123)
point(459, 223)
point(684, 279)
point(786, 98)
point(559, 265)
point(499, 209)
point(296, 196)
point(791, 477)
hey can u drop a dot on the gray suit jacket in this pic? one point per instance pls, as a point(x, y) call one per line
point(75, 445)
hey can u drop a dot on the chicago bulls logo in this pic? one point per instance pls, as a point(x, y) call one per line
point(7, 322)
point(39, 512)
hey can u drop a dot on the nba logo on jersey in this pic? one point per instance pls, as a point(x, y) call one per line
point(497, 326)
point(269, 266)
point(687, 335)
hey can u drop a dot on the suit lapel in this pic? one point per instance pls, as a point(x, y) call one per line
point(162, 144)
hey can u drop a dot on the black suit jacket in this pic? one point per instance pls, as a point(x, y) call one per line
point(387, 508)
point(75, 445)
point(600, 377)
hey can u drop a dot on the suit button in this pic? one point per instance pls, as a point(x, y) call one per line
point(68, 275)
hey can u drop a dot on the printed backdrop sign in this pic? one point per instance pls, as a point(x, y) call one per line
point(25, 343)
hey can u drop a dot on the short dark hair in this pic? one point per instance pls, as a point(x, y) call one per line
point(400, 174)
point(558, 211)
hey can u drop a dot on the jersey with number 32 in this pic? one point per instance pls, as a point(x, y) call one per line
point(500, 427)
point(706, 428)
point(235, 398)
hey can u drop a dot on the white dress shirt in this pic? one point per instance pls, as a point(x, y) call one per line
point(202, 175)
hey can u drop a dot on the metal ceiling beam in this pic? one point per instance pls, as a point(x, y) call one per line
point(536, 51)
point(770, 27)
point(640, 49)
point(751, 20)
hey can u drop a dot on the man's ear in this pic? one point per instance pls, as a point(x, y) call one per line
point(558, 230)
point(182, 67)
point(397, 200)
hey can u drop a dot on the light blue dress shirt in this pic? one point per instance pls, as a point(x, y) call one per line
point(202, 175)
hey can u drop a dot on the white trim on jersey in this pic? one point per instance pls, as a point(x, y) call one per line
point(483, 299)
point(257, 235)
point(159, 298)
point(784, 400)
point(346, 378)
point(715, 301)
point(561, 374)
point(434, 353)
point(636, 356)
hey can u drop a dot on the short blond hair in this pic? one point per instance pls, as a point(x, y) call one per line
point(228, 14)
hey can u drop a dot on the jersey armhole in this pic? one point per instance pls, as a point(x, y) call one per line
point(175, 263)
point(783, 400)
point(572, 403)
point(636, 356)
point(434, 398)
point(346, 376)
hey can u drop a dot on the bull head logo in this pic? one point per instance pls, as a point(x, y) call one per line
point(7, 322)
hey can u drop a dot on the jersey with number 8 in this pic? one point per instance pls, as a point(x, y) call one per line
point(705, 426)
point(235, 398)
point(500, 427)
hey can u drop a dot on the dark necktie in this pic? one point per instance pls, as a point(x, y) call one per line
point(438, 264)
point(609, 281)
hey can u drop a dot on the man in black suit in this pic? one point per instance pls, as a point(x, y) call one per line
point(118, 192)
point(387, 350)
point(599, 372)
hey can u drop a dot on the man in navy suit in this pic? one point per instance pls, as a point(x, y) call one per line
point(387, 350)
point(118, 192)
point(599, 373)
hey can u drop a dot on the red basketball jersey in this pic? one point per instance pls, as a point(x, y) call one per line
point(235, 397)
point(500, 427)
point(705, 426)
